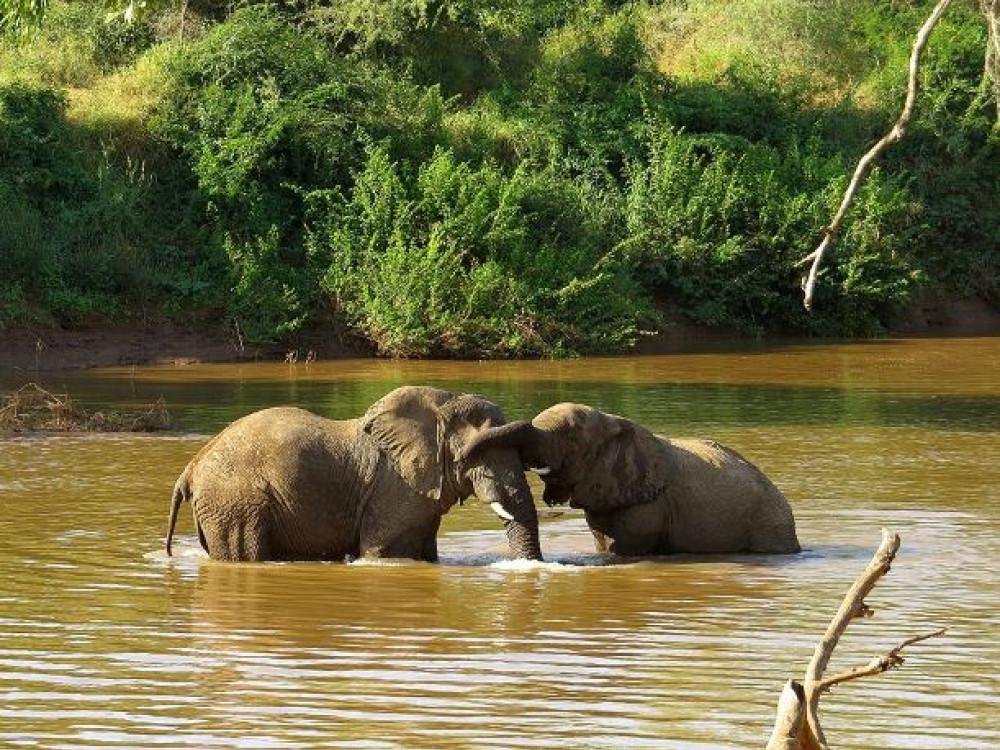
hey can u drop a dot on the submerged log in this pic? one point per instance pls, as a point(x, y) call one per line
point(797, 725)
point(32, 408)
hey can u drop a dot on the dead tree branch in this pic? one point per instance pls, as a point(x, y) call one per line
point(991, 65)
point(883, 663)
point(797, 726)
point(868, 160)
point(31, 408)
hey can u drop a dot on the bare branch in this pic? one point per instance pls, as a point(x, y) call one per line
point(991, 64)
point(806, 260)
point(878, 664)
point(868, 160)
point(852, 606)
point(796, 725)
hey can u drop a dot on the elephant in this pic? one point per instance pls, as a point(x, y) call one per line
point(644, 494)
point(286, 484)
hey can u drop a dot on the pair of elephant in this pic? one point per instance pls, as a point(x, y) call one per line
point(285, 484)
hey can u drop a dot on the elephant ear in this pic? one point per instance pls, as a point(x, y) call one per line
point(616, 473)
point(408, 425)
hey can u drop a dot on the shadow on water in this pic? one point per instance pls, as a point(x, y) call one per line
point(938, 384)
point(668, 408)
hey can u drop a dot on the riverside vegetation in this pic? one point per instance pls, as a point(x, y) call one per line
point(487, 177)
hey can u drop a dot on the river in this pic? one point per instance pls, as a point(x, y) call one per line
point(106, 643)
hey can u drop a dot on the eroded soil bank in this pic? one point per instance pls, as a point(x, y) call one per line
point(117, 345)
point(124, 344)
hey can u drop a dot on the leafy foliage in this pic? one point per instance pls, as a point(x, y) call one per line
point(17, 17)
point(70, 232)
point(717, 221)
point(489, 177)
point(264, 114)
point(457, 260)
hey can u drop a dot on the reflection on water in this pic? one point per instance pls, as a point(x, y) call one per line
point(104, 642)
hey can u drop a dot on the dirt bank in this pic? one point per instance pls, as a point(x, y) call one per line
point(107, 345)
point(938, 316)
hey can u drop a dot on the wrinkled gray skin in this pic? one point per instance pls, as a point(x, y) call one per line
point(285, 484)
point(648, 495)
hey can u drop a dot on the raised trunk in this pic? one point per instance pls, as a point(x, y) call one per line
point(530, 442)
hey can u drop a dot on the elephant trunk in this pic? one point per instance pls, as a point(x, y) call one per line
point(530, 442)
point(510, 498)
point(524, 543)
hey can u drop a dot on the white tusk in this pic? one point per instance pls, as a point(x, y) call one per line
point(541, 471)
point(501, 511)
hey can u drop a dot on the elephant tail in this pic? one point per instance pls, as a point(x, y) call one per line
point(182, 492)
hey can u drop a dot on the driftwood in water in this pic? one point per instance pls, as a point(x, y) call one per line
point(31, 408)
point(797, 725)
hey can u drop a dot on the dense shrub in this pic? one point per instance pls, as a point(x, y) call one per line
point(491, 178)
point(952, 155)
point(457, 260)
point(464, 46)
point(265, 113)
point(591, 88)
point(72, 241)
point(717, 222)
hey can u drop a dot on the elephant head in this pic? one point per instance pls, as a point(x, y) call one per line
point(584, 456)
point(644, 494)
point(425, 431)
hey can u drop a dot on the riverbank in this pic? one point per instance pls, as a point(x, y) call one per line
point(270, 171)
point(111, 345)
point(121, 344)
point(162, 343)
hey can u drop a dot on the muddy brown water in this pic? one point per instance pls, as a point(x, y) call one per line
point(105, 643)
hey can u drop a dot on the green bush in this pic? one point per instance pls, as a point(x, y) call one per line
point(952, 154)
point(72, 234)
point(591, 89)
point(491, 178)
point(716, 223)
point(471, 262)
point(464, 46)
point(71, 48)
point(265, 113)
